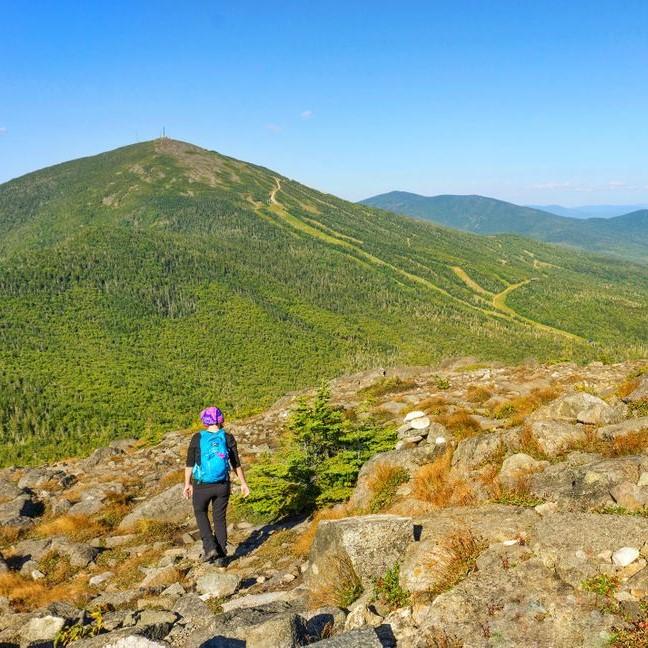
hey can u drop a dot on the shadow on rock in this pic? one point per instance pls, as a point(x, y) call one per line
point(223, 642)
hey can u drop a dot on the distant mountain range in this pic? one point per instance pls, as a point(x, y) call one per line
point(590, 211)
point(625, 235)
point(139, 285)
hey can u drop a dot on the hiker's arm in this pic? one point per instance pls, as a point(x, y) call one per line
point(188, 488)
point(189, 464)
point(245, 489)
point(236, 464)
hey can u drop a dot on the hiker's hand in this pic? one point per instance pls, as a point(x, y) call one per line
point(245, 490)
point(188, 491)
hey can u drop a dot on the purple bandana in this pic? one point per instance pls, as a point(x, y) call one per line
point(212, 416)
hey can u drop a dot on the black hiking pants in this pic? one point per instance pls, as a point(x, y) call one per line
point(218, 496)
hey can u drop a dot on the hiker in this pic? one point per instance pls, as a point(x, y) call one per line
point(211, 453)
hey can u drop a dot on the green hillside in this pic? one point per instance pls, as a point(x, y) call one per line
point(625, 236)
point(139, 285)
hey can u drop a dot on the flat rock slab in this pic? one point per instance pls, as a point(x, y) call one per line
point(257, 600)
point(372, 543)
point(168, 506)
point(218, 584)
point(364, 638)
point(524, 605)
point(631, 426)
point(587, 481)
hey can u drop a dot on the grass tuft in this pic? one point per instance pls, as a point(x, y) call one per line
point(383, 484)
point(432, 483)
point(461, 423)
point(464, 548)
point(25, 594)
point(337, 585)
point(273, 548)
point(478, 393)
point(75, 527)
point(518, 409)
point(386, 386)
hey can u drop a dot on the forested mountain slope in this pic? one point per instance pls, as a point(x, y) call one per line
point(138, 285)
point(625, 236)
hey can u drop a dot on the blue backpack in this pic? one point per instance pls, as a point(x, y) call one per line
point(214, 458)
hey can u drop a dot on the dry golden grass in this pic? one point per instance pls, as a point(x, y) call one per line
point(478, 393)
point(273, 548)
point(627, 387)
point(439, 638)
point(529, 445)
point(517, 409)
point(383, 484)
point(463, 548)
point(128, 572)
point(10, 535)
point(165, 578)
point(74, 527)
point(432, 484)
point(304, 542)
point(171, 479)
point(337, 584)
point(116, 508)
point(488, 478)
point(56, 567)
point(461, 423)
point(429, 405)
point(51, 486)
point(156, 531)
point(630, 444)
point(25, 594)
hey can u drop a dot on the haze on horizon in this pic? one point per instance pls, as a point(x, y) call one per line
point(534, 103)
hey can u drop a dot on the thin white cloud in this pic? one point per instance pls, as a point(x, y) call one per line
point(3, 130)
point(612, 185)
point(554, 185)
point(617, 184)
point(273, 128)
point(307, 114)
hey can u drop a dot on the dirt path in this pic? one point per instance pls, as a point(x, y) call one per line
point(498, 301)
point(273, 193)
point(471, 283)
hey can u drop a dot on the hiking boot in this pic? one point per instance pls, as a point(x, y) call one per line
point(210, 555)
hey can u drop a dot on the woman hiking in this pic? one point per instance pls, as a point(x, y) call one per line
point(211, 453)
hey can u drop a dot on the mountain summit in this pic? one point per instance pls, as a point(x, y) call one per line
point(139, 285)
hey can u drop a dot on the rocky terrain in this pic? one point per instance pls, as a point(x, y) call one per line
point(513, 511)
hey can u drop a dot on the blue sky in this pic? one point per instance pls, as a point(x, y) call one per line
point(537, 102)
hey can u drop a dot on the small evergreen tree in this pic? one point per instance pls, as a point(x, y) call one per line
point(317, 427)
point(318, 463)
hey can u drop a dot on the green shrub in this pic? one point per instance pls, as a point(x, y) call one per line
point(441, 383)
point(639, 408)
point(317, 463)
point(602, 584)
point(388, 591)
point(80, 630)
point(280, 485)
